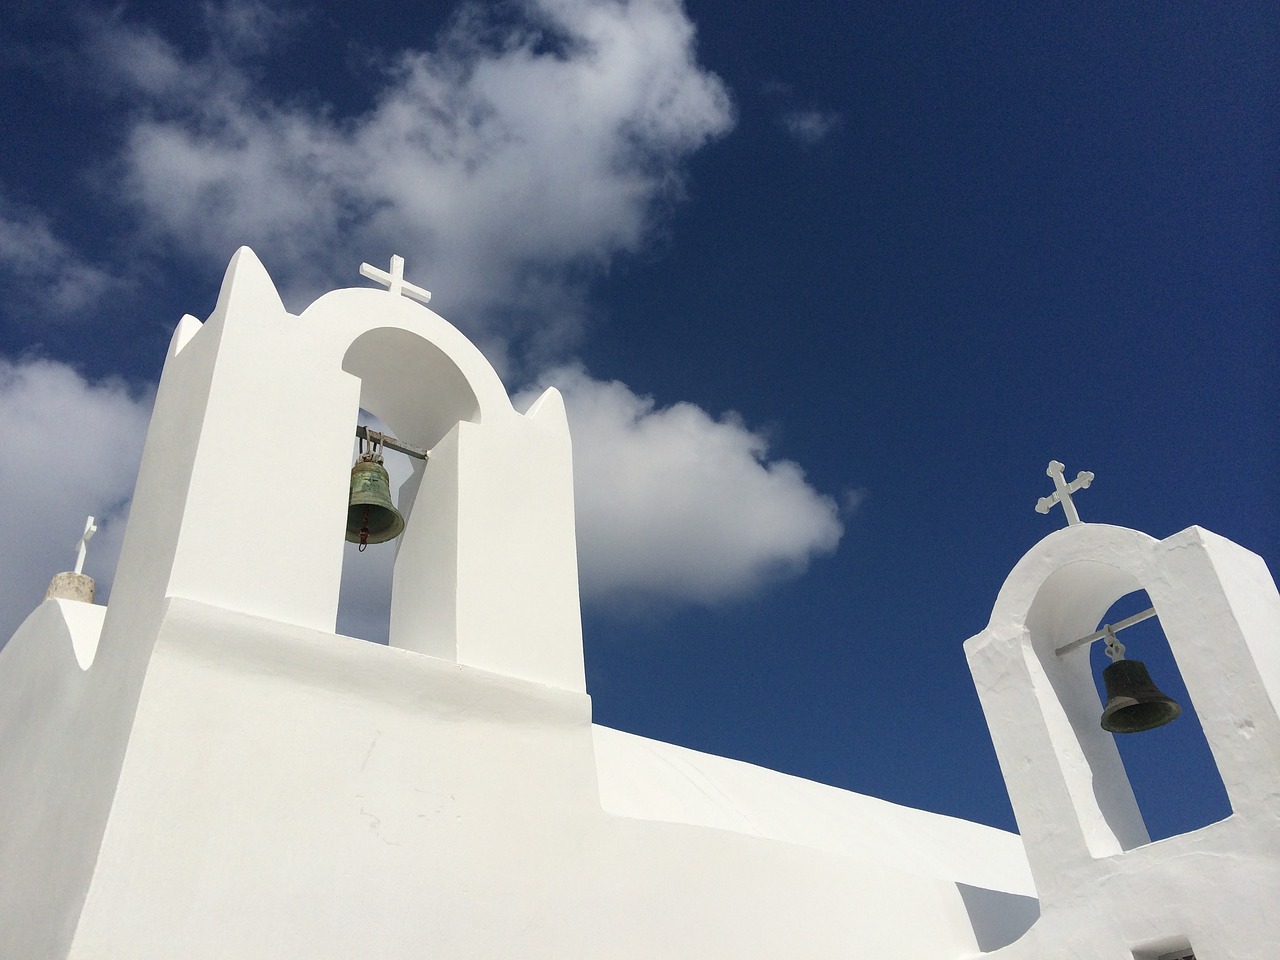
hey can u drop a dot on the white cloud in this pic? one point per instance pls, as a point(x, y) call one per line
point(71, 450)
point(808, 127)
point(246, 27)
point(42, 274)
point(673, 503)
point(509, 164)
point(506, 164)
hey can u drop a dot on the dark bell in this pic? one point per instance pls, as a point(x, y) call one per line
point(1134, 703)
point(371, 516)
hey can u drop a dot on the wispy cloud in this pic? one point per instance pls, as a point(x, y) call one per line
point(512, 160)
point(810, 126)
point(44, 277)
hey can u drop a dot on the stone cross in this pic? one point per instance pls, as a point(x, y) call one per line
point(394, 280)
point(82, 545)
point(1062, 492)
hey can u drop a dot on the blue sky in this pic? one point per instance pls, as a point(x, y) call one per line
point(825, 289)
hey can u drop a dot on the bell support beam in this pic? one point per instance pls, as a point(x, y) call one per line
point(390, 443)
point(1099, 634)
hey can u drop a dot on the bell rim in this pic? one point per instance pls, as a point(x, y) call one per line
point(1170, 711)
point(389, 532)
point(1158, 702)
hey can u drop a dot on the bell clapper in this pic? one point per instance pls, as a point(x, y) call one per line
point(364, 531)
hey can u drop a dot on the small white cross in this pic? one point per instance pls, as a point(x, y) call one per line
point(82, 545)
point(394, 280)
point(1063, 491)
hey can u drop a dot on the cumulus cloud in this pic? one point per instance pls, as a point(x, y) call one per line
point(43, 277)
point(674, 503)
point(72, 450)
point(808, 127)
point(509, 162)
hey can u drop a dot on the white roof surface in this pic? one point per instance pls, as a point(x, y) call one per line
point(650, 780)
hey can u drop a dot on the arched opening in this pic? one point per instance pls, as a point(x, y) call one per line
point(410, 384)
point(1067, 606)
point(414, 391)
point(364, 598)
point(1171, 769)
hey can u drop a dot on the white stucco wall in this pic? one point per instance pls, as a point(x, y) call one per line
point(48, 841)
point(289, 793)
point(205, 769)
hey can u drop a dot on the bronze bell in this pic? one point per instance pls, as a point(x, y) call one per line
point(371, 516)
point(1134, 702)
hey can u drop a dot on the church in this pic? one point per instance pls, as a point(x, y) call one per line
point(204, 768)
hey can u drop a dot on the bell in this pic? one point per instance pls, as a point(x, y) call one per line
point(1134, 703)
point(371, 516)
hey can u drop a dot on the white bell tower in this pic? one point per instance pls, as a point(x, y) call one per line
point(241, 498)
point(1105, 890)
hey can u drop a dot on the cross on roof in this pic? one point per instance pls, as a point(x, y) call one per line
point(394, 281)
point(82, 545)
point(1063, 491)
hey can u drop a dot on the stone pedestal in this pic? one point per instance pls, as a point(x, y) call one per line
point(70, 586)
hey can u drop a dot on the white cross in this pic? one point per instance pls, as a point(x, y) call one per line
point(82, 545)
point(394, 280)
point(1063, 491)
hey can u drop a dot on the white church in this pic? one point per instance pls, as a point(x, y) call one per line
point(204, 768)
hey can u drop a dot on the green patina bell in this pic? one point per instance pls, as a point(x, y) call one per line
point(371, 516)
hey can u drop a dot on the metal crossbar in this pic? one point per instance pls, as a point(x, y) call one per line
point(1115, 627)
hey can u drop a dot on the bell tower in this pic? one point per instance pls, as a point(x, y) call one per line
point(1104, 888)
point(243, 491)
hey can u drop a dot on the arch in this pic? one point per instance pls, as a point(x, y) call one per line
point(398, 346)
point(1173, 773)
point(1067, 605)
point(419, 394)
point(1066, 779)
point(410, 384)
point(485, 571)
point(1072, 602)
